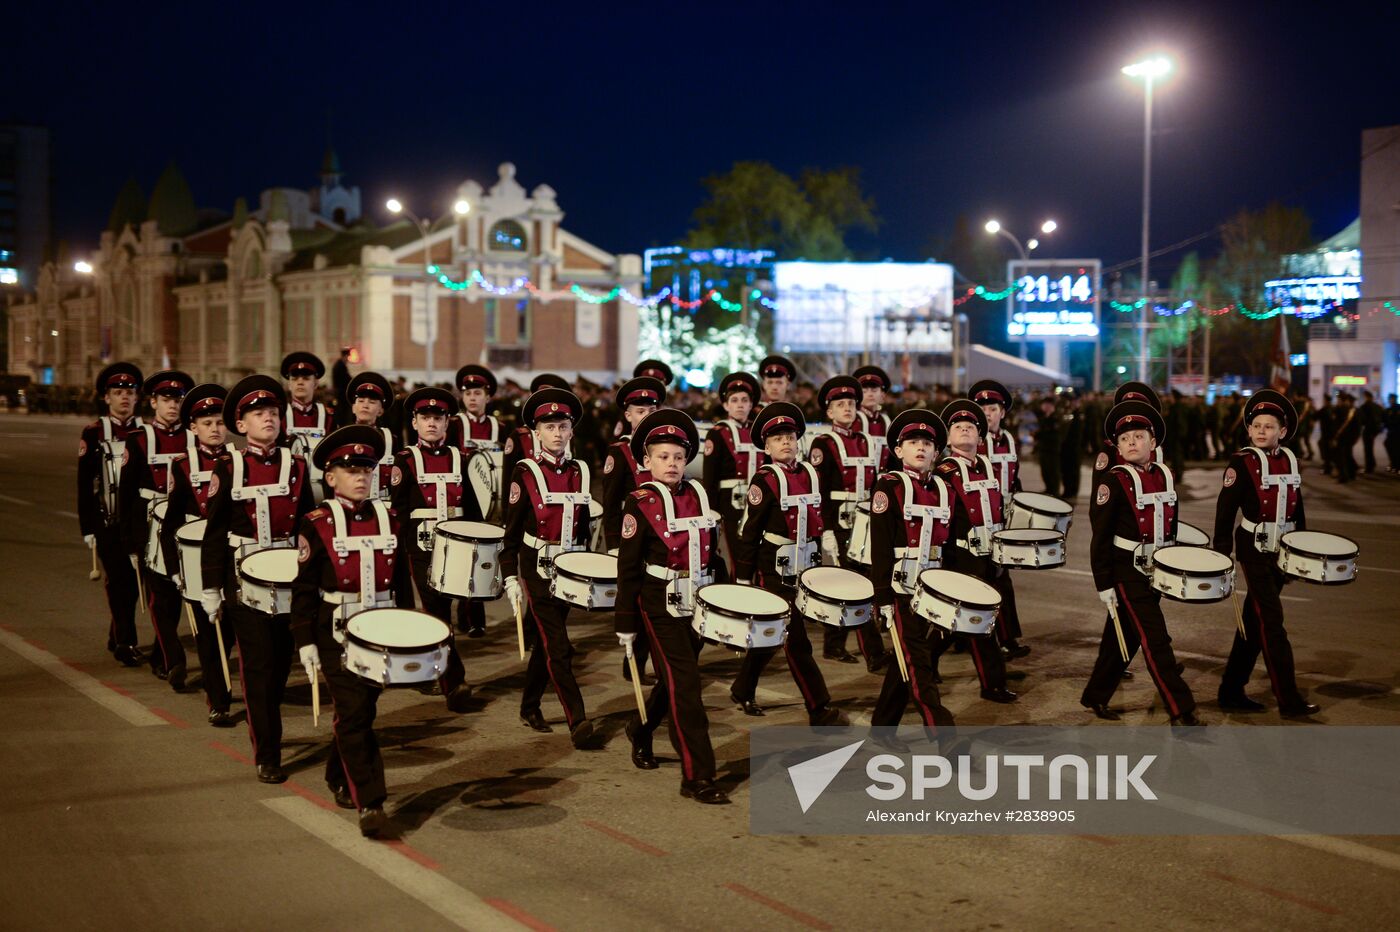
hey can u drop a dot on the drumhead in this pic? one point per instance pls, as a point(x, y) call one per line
point(1029, 535)
point(1192, 561)
point(749, 601)
point(1045, 504)
point(833, 582)
point(158, 512)
point(193, 532)
point(398, 628)
point(1191, 536)
point(960, 588)
point(1319, 544)
point(595, 509)
point(864, 506)
point(457, 529)
point(580, 564)
point(270, 566)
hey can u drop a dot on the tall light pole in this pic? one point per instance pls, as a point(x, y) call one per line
point(995, 228)
point(461, 208)
point(1149, 69)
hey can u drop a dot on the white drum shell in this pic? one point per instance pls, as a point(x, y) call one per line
point(1026, 511)
point(1332, 569)
point(190, 541)
point(858, 548)
point(1189, 584)
point(154, 556)
point(730, 625)
point(392, 666)
point(266, 585)
point(582, 587)
point(465, 569)
point(951, 612)
point(813, 603)
point(1015, 550)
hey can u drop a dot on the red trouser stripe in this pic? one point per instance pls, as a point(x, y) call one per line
point(687, 763)
point(1147, 653)
point(925, 712)
point(548, 664)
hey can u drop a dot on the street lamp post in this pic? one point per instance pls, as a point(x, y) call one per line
point(461, 208)
point(995, 228)
point(1149, 69)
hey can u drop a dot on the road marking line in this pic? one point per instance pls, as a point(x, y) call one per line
point(14, 501)
point(812, 922)
point(110, 699)
point(453, 902)
point(1377, 569)
point(1274, 892)
point(625, 838)
point(227, 751)
point(171, 717)
point(67, 514)
point(1074, 572)
point(519, 915)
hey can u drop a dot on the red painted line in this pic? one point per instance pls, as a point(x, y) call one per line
point(518, 914)
point(310, 796)
point(811, 922)
point(1098, 839)
point(119, 691)
point(1275, 892)
point(625, 838)
point(171, 718)
point(229, 752)
point(39, 644)
point(413, 854)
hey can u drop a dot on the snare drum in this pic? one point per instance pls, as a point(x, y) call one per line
point(1029, 549)
point(1191, 536)
point(265, 580)
point(956, 602)
point(155, 557)
point(741, 616)
point(1039, 511)
point(596, 538)
point(396, 646)
point(1192, 574)
point(466, 560)
point(1328, 559)
point(836, 597)
point(588, 580)
point(858, 549)
point(190, 538)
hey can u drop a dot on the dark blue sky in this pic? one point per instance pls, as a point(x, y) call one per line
point(1016, 110)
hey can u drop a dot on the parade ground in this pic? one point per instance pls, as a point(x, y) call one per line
point(124, 809)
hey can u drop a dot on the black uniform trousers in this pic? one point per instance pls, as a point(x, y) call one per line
point(676, 697)
point(986, 652)
point(165, 606)
point(551, 653)
point(868, 634)
point(729, 526)
point(265, 650)
point(797, 648)
point(120, 583)
point(1009, 620)
point(440, 607)
point(1140, 612)
point(1263, 625)
point(917, 639)
point(206, 642)
point(354, 762)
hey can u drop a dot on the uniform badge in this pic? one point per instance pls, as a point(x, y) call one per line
point(608, 466)
point(629, 526)
point(510, 445)
point(816, 456)
point(1229, 476)
point(213, 485)
point(514, 492)
point(82, 448)
point(709, 447)
point(880, 503)
point(396, 476)
point(755, 495)
point(303, 549)
point(1101, 496)
point(1101, 462)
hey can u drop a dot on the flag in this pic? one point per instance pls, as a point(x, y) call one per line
point(1280, 373)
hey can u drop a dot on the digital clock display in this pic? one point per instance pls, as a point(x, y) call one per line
point(1042, 289)
point(1053, 298)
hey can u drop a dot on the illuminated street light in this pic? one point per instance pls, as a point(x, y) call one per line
point(82, 268)
point(993, 227)
point(395, 205)
point(1149, 69)
point(462, 208)
point(1049, 226)
point(1032, 243)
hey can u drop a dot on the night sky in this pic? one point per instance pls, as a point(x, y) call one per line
point(1017, 111)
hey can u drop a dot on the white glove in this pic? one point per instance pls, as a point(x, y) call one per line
point(179, 583)
point(831, 555)
point(210, 600)
point(626, 641)
point(1109, 598)
point(513, 593)
point(135, 562)
point(90, 540)
point(311, 661)
point(887, 614)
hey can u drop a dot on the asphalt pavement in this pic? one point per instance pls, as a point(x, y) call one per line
point(122, 808)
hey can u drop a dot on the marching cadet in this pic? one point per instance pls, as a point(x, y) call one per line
point(305, 420)
point(623, 474)
point(1109, 457)
point(874, 422)
point(977, 514)
point(778, 374)
point(654, 369)
point(777, 541)
point(431, 482)
point(731, 459)
point(474, 429)
point(145, 482)
point(999, 447)
point(846, 469)
point(547, 514)
point(1270, 504)
point(259, 497)
point(329, 590)
point(521, 442)
point(100, 453)
point(909, 526)
point(202, 414)
point(367, 397)
point(1134, 512)
point(669, 549)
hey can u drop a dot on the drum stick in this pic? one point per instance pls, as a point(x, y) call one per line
point(189, 614)
point(637, 686)
point(1118, 630)
point(315, 698)
point(520, 626)
point(1239, 614)
point(140, 588)
point(899, 655)
point(95, 573)
point(223, 654)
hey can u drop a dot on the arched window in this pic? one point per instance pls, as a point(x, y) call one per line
point(506, 236)
point(252, 266)
point(339, 216)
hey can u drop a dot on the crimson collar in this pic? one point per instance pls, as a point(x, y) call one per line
point(545, 456)
point(260, 450)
